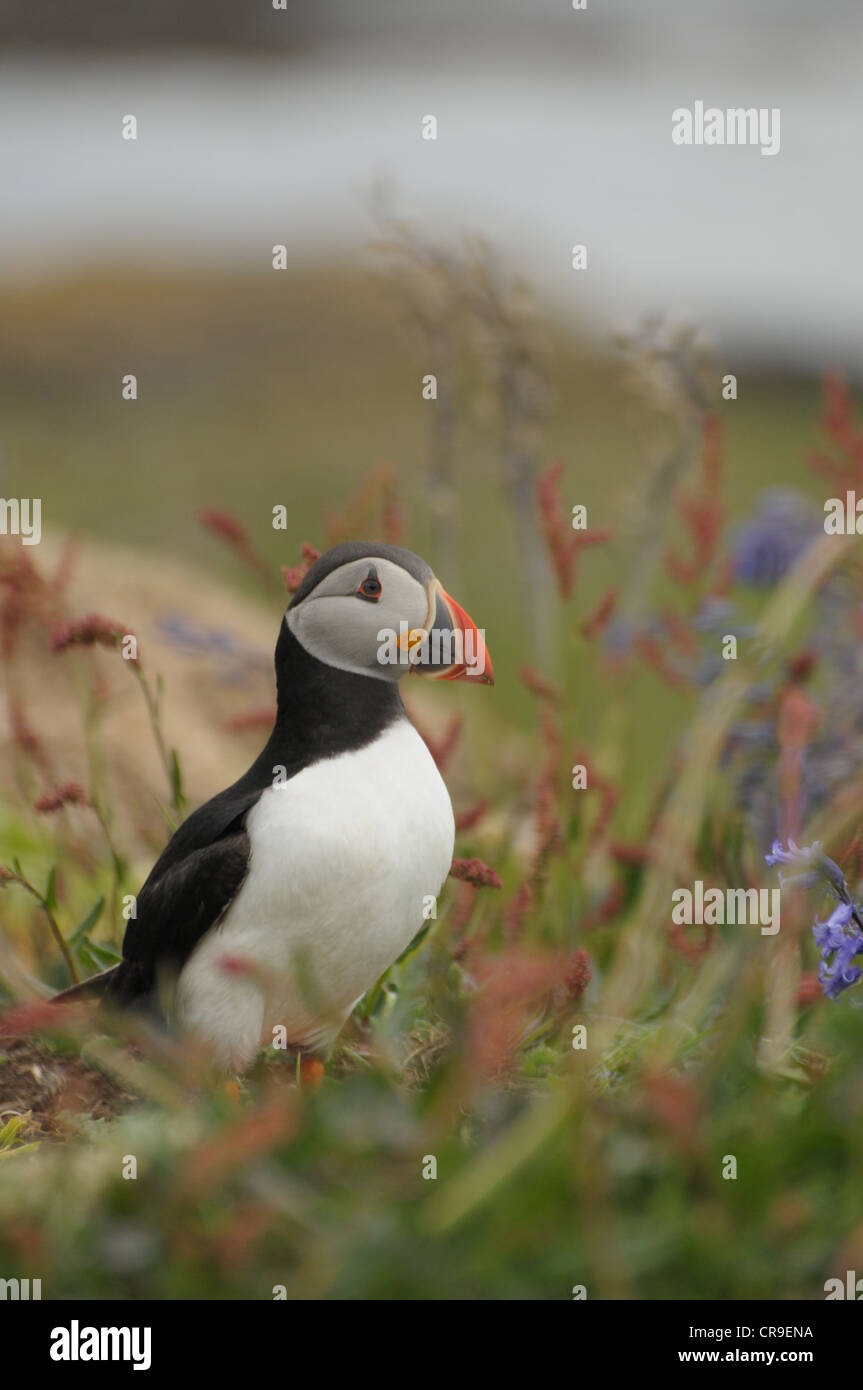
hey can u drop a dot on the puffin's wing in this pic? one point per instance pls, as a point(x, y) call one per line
point(188, 890)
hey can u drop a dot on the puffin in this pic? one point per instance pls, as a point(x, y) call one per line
point(278, 903)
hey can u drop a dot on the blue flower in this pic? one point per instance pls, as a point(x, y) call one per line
point(236, 661)
point(840, 937)
point(818, 866)
point(830, 935)
point(793, 854)
point(833, 939)
point(782, 528)
point(714, 613)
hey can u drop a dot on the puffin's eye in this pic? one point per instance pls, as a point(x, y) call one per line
point(371, 587)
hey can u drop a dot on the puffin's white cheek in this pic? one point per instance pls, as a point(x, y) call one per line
point(343, 633)
point(400, 629)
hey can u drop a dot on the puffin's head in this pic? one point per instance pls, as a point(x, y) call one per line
point(377, 610)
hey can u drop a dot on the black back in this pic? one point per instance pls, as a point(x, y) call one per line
point(321, 712)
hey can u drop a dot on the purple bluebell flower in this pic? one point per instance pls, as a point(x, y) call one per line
point(619, 637)
point(793, 854)
point(834, 939)
point(818, 866)
point(810, 878)
point(236, 661)
point(766, 547)
point(713, 614)
point(840, 937)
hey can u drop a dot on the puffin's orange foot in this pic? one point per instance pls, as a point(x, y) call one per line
point(310, 1072)
point(232, 1091)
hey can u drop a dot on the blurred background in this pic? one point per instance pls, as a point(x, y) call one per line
point(302, 127)
point(261, 126)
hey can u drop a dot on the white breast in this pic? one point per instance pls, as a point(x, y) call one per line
point(344, 858)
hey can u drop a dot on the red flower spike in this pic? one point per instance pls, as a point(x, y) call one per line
point(475, 872)
point(563, 544)
point(68, 794)
point(578, 974)
point(294, 575)
point(90, 631)
point(597, 621)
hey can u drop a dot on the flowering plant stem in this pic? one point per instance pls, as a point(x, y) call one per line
point(44, 901)
point(167, 756)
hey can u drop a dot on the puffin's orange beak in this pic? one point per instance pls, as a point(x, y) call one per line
point(476, 665)
point(454, 647)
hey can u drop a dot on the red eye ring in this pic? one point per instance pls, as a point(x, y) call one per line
point(371, 587)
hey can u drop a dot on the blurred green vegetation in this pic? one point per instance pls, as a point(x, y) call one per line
point(555, 1166)
point(294, 388)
